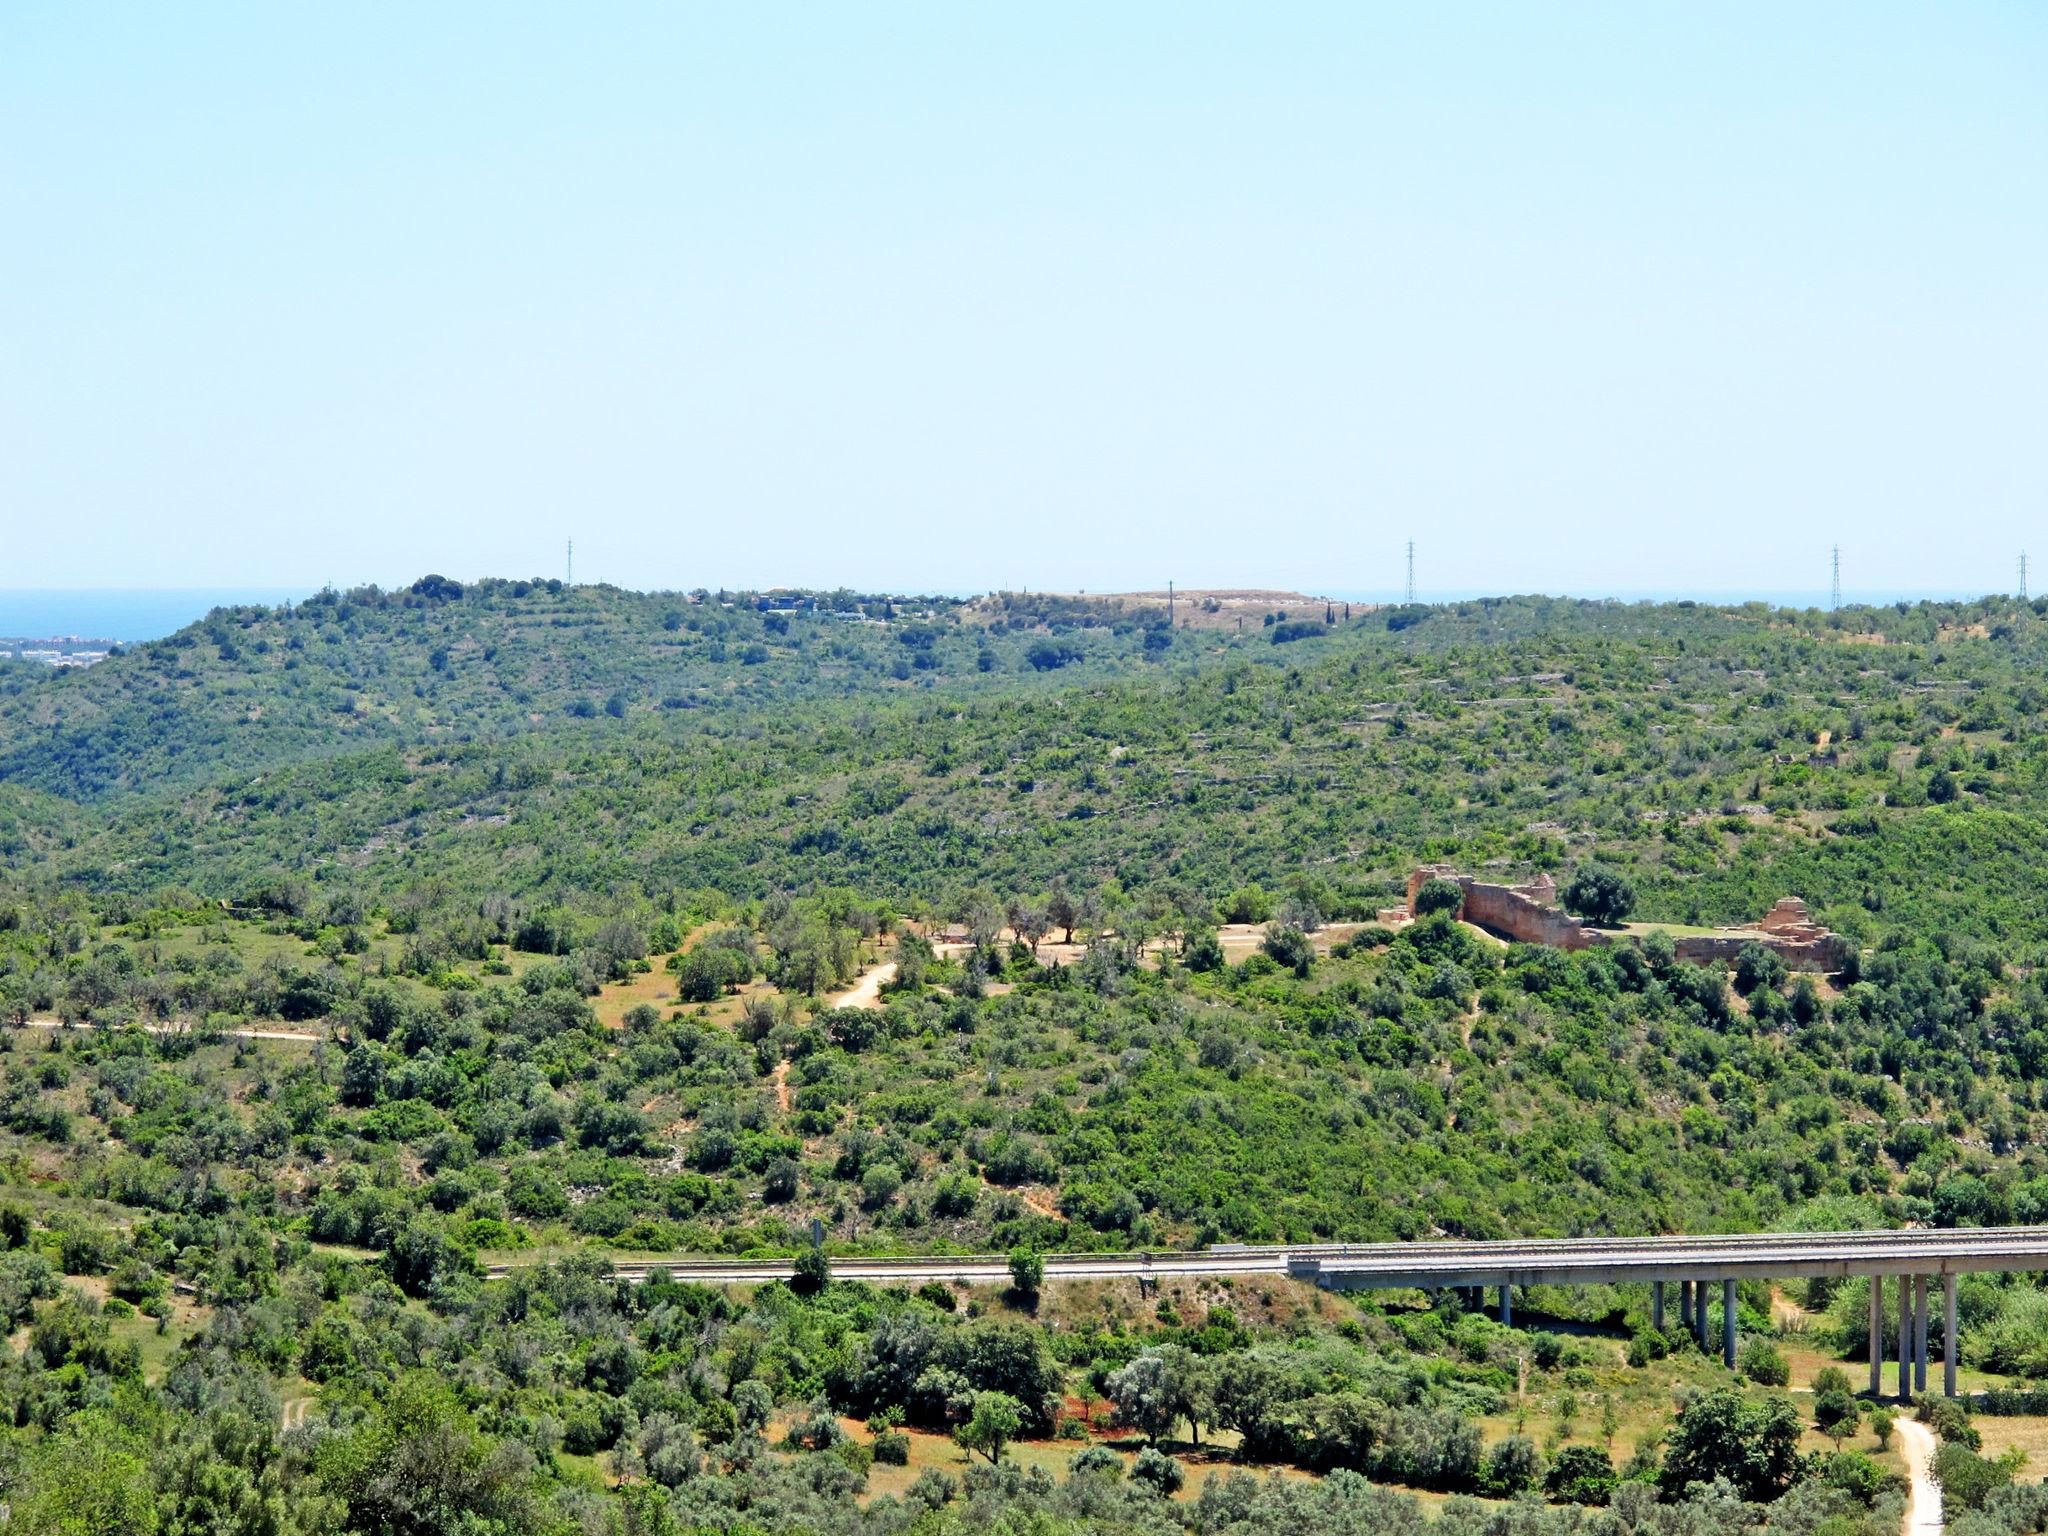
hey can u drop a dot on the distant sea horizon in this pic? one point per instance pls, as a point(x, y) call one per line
point(127, 614)
point(131, 615)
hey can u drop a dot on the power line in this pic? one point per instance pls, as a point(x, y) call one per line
point(1835, 577)
point(1411, 571)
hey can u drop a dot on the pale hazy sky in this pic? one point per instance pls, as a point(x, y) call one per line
point(1580, 297)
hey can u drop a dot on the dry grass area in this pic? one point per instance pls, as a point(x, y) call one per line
point(1242, 939)
point(1225, 608)
point(1265, 1302)
point(656, 988)
point(930, 1451)
point(1239, 607)
point(2027, 1435)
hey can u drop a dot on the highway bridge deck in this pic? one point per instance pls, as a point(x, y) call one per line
point(1914, 1257)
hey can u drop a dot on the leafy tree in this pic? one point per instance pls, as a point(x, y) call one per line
point(1289, 947)
point(1513, 1465)
point(416, 1464)
point(1062, 911)
point(1159, 1388)
point(1762, 1363)
point(813, 1272)
point(91, 1479)
point(1158, 1471)
point(1753, 1442)
point(1204, 953)
point(1581, 1474)
point(993, 1422)
point(1027, 1273)
point(1247, 904)
point(1836, 1414)
point(1967, 1480)
point(1757, 967)
point(1599, 893)
point(1437, 895)
point(914, 957)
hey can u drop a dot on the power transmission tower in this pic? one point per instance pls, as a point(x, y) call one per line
point(1835, 577)
point(1169, 603)
point(569, 566)
point(2023, 575)
point(1411, 571)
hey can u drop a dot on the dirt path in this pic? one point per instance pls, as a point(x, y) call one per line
point(782, 1084)
point(867, 992)
point(183, 1029)
point(1923, 1497)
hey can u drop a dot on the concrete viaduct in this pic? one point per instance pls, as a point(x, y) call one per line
point(1680, 1270)
point(1694, 1265)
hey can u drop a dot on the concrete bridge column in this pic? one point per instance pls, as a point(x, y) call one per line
point(1876, 1335)
point(1699, 1322)
point(1657, 1305)
point(1905, 1338)
point(1728, 1324)
point(1919, 1333)
point(1948, 1335)
point(1685, 1304)
point(1507, 1307)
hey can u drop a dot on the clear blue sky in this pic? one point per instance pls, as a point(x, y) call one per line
point(1580, 297)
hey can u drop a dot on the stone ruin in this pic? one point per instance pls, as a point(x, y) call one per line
point(1529, 913)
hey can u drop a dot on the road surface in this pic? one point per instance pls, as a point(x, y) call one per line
point(1452, 1262)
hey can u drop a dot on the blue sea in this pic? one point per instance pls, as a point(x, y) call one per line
point(124, 614)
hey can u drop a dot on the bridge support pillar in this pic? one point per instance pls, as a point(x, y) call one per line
point(1685, 1304)
point(1728, 1323)
point(1919, 1333)
point(1699, 1316)
point(1948, 1335)
point(1507, 1306)
point(1657, 1305)
point(1876, 1335)
point(1905, 1338)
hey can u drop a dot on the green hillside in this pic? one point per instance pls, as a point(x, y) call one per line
point(251, 688)
point(349, 949)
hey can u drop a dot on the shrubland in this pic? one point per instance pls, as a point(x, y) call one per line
point(369, 985)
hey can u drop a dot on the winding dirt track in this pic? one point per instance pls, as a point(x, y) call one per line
point(867, 992)
point(185, 1029)
point(1923, 1497)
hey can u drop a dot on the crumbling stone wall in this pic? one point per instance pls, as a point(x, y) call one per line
point(1827, 951)
point(1506, 911)
point(1529, 914)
